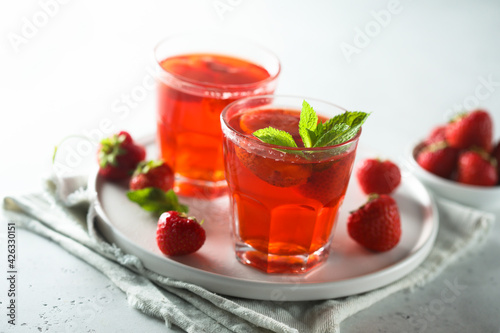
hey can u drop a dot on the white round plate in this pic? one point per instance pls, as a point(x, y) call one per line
point(349, 270)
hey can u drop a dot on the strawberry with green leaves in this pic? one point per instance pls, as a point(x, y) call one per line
point(438, 158)
point(477, 168)
point(118, 156)
point(496, 155)
point(474, 129)
point(437, 134)
point(151, 188)
point(378, 176)
point(152, 174)
point(177, 234)
point(377, 224)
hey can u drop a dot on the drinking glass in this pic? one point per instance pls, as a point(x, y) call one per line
point(284, 201)
point(198, 75)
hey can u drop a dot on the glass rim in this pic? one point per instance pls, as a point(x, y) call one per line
point(218, 87)
point(225, 124)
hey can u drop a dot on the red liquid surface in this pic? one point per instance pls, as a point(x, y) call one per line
point(188, 124)
point(284, 208)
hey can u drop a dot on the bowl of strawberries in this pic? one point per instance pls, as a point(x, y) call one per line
point(460, 160)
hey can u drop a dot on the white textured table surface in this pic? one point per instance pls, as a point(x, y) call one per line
point(71, 67)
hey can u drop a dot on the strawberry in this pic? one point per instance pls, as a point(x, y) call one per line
point(376, 225)
point(437, 134)
point(439, 159)
point(275, 172)
point(152, 174)
point(328, 181)
point(471, 129)
point(496, 155)
point(377, 176)
point(280, 119)
point(118, 156)
point(178, 234)
point(477, 168)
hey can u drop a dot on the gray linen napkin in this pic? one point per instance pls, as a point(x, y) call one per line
point(69, 223)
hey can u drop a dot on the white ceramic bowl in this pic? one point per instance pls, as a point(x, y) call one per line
point(474, 196)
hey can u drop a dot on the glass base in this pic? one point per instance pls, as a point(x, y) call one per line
point(281, 264)
point(200, 189)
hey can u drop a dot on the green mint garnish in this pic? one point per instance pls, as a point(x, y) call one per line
point(308, 125)
point(338, 129)
point(157, 201)
point(275, 136)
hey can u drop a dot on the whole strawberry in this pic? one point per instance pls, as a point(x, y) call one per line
point(118, 156)
point(178, 234)
point(152, 174)
point(377, 224)
point(377, 176)
point(476, 168)
point(496, 155)
point(439, 159)
point(474, 129)
point(437, 134)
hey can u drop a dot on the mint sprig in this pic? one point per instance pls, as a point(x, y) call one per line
point(314, 133)
point(157, 201)
point(275, 136)
point(308, 125)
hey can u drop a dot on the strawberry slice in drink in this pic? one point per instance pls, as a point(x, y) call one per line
point(284, 120)
point(328, 181)
point(275, 172)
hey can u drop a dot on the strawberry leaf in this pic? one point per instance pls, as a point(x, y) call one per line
point(110, 148)
point(157, 201)
point(146, 166)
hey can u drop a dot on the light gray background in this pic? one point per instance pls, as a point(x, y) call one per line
point(72, 71)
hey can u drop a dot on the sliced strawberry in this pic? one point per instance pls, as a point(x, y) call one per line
point(118, 156)
point(329, 180)
point(477, 168)
point(377, 176)
point(439, 159)
point(474, 129)
point(284, 120)
point(275, 172)
point(377, 224)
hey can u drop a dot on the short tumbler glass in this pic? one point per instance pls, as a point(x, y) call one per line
point(284, 201)
point(198, 75)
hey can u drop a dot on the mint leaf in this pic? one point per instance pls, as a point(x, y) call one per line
point(157, 201)
point(275, 136)
point(333, 134)
point(307, 125)
point(356, 120)
point(340, 128)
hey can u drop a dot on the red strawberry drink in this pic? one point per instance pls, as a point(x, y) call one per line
point(285, 200)
point(200, 75)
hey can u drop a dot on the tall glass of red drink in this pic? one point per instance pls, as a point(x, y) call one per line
point(284, 201)
point(198, 76)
